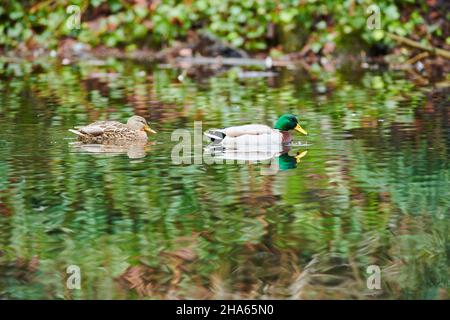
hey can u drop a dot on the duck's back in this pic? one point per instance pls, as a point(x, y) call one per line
point(109, 132)
point(249, 129)
point(101, 127)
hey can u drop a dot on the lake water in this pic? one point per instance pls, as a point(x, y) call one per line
point(372, 189)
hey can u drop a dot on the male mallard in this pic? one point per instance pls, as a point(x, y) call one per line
point(113, 132)
point(251, 135)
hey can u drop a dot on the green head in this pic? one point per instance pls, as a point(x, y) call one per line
point(288, 122)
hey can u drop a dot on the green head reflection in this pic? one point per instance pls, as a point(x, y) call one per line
point(286, 161)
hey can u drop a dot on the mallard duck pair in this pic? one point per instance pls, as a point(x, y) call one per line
point(136, 129)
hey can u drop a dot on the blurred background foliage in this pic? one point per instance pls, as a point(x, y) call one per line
point(254, 25)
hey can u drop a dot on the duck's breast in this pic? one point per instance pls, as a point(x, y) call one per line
point(142, 136)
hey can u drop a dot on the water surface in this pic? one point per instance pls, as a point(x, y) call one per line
point(373, 188)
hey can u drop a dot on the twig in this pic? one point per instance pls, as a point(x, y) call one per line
point(436, 51)
point(418, 57)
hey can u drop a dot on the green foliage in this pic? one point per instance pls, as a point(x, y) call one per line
point(246, 24)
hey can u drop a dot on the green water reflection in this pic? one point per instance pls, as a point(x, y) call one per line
point(372, 190)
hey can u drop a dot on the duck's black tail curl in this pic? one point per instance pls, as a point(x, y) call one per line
point(216, 135)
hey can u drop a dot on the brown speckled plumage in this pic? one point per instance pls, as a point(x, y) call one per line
point(113, 132)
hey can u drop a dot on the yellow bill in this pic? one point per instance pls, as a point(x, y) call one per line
point(149, 130)
point(300, 129)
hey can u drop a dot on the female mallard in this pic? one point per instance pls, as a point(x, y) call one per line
point(256, 135)
point(113, 132)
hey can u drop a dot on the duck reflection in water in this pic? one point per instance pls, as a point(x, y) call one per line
point(132, 150)
point(279, 160)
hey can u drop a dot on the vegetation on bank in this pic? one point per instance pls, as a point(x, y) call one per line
point(254, 25)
